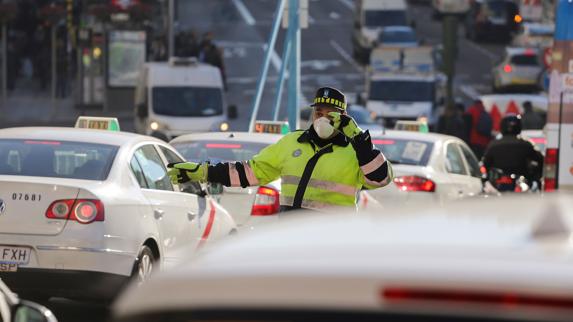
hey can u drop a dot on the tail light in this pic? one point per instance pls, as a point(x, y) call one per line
point(550, 170)
point(415, 183)
point(266, 202)
point(507, 68)
point(84, 211)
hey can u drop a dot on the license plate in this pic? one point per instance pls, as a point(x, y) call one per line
point(8, 267)
point(15, 255)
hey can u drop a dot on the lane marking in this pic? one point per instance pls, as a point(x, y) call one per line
point(484, 51)
point(247, 16)
point(469, 91)
point(348, 4)
point(345, 55)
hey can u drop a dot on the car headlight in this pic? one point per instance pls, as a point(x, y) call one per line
point(154, 126)
point(224, 127)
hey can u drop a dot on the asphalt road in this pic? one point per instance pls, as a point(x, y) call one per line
point(242, 28)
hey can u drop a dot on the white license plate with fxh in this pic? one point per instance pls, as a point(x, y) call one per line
point(12, 256)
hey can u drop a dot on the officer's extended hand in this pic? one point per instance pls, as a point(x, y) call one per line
point(345, 124)
point(183, 172)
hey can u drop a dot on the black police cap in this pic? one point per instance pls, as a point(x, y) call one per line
point(328, 96)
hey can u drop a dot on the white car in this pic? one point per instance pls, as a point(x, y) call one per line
point(428, 167)
point(83, 211)
point(494, 260)
point(519, 69)
point(250, 205)
point(13, 309)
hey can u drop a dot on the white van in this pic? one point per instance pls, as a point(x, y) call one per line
point(179, 97)
point(370, 17)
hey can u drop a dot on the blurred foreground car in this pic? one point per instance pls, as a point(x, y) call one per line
point(519, 69)
point(12, 309)
point(498, 260)
point(247, 205)
point(83, 211)
point(428, 168)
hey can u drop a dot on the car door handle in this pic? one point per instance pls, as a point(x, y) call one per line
point(158, 213)
point(191, 215)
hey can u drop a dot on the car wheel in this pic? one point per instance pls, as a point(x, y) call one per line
point(144, 265)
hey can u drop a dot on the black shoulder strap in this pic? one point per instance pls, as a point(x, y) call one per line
point(305, 179)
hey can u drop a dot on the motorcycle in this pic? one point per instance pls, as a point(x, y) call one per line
point(509, 182)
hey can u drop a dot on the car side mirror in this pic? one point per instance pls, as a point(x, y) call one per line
point(31, 312)
point(232, 112)
point(214, 188)
point(141, 110)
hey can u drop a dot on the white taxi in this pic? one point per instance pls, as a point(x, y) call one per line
point(428, 167)
point(492, 260)
point(82, 211)
point(246, 205)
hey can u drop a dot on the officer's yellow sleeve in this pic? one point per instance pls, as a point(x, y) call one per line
point(267, 164)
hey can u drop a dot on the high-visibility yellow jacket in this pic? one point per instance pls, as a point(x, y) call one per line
point(312, 176)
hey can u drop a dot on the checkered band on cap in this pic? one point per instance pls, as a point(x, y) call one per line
point(330, 96)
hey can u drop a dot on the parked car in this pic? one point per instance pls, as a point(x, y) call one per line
point(492, 19)
point(84, 211)
point(519, 69)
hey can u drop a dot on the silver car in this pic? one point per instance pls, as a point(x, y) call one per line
point(519, 70)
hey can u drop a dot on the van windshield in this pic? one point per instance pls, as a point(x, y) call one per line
point(187, 101)
point(383, 18)
point(402, 91)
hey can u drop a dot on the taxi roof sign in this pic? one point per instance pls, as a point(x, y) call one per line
point(97, 123)
point(274, 127)
point(412, 126)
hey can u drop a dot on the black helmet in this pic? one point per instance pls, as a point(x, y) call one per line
point(511, 124)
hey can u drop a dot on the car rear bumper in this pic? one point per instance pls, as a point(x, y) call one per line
point(64, 283)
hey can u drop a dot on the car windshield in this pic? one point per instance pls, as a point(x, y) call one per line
point(216, 151)
point(525, 60)
point(397, 36)
point(383, 18)
point(360, 115)
point(401, 91)
point(58, 159)
point(187, 101)
point(404, 151)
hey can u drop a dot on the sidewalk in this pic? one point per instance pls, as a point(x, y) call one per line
point(28, 106)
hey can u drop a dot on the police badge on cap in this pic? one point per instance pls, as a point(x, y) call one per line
point(328, 96)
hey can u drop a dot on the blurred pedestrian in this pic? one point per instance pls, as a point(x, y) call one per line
point(481, 127)
point(529, 119)
point(61, 69)
point(14, 65)
point(209, 53)
point(452, 122)
point(158, 49)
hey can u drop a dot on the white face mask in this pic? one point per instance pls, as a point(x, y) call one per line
point(323, 128)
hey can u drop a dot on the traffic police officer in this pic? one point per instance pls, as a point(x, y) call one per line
point(322, 167)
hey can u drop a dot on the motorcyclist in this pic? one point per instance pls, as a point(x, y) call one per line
point(512, 154)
